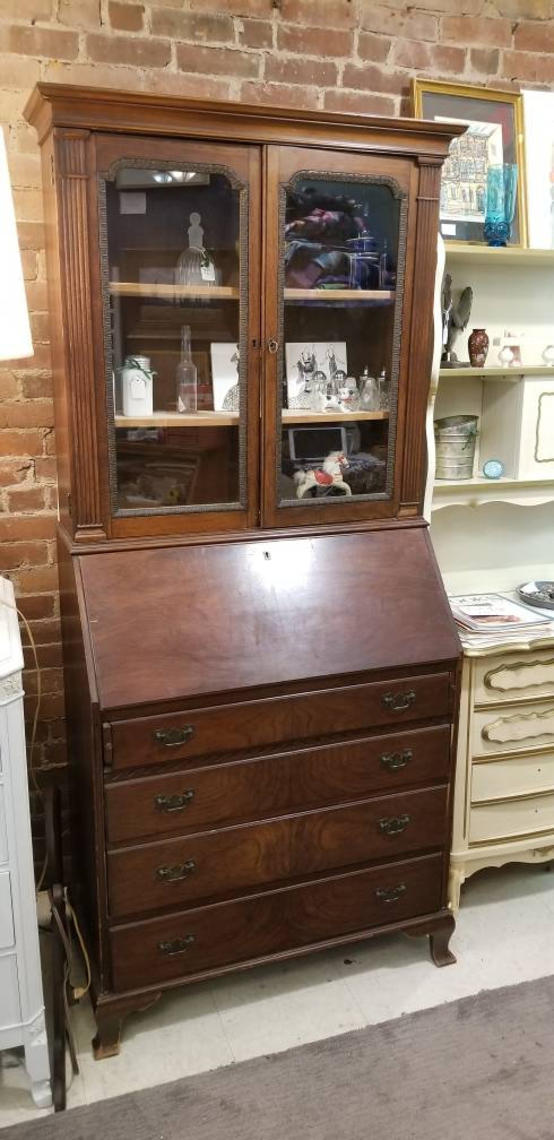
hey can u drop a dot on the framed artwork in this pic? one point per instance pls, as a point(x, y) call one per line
point(225, 375)
point(538, 117)
point(494, 136)
point(307, 362)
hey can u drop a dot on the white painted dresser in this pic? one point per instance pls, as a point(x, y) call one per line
point(21, 998)
point(504, 794)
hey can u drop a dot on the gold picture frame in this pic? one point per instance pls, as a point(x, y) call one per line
point(461, 102)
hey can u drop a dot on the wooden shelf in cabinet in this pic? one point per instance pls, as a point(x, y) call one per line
point(299, 417)
point(178, 419)
point(174, 292)
point(498, 255)
point(324, 296)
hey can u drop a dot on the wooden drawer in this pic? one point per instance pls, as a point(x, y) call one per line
point(511, 818)
point(274, 785)
point(180, 871)
point(514, 676)
point(517, 776)
point(251, 929)
point(228, 728)
point(513, 729)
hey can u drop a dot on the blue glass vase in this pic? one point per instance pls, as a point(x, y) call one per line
point(500, 203)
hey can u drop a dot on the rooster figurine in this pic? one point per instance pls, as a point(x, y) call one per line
point(455, 318)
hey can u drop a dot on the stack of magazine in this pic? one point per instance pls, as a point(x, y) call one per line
point(495, 618)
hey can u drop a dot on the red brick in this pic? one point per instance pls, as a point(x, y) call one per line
point(527, 66)
point(279, 95)
point(235, 7)
point(30, 235)
point(39, 42)
point(31, 414)
point(39, 526)
point(304, 71)
point(471, 30)
point(37, 606)
point(27, 9)
point(51, 682)
point(22, 442)
point(37, 296)
point(534, 37)
point(485, 61)
point(134, 50)
point(126, 17)
point(314, 41)
point(14, 471)
point(178, 83)
point(217, 61)
point(16, 554)
point(323, 13)
point(55, 754)
point(26, 499)
point(37, 387)
point(358, 103)
point(255, 33)
point(448, 60)
point(40, 327)
point(46, 470)
point(46, 632)
point(29, 264)
point(9, 386)
point(372, 78)
point(372, 47)
point(49, 657)
point(410, 53)
point(403, 21)
point(190, 26)
point(80, 13)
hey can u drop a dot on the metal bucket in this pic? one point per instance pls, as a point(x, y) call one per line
point(455, 446)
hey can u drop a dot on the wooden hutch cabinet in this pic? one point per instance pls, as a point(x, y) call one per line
point(261, 667)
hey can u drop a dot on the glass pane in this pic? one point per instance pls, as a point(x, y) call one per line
point(173, 251)
point(338, 422)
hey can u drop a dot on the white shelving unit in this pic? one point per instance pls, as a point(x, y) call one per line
point(490, 536)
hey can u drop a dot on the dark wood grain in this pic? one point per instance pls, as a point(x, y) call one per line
point(209, 865)
point(273, 785)
point(273, 922)
point(258, 614)
point(295, 717)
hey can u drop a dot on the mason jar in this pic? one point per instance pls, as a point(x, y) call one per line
point(137, 386)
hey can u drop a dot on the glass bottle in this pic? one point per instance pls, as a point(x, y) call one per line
point(369, 392)
point(187, 376)
point(384, 391)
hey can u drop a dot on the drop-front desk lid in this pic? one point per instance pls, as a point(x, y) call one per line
point(188, 621)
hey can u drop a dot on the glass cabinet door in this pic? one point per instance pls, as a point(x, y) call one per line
point(178, 224)
point(335, 334)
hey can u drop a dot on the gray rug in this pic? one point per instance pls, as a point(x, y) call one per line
point(476, 1069)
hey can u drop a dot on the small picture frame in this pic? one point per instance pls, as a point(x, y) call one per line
point(224, 357)
point(494, 136)
point(309, 361)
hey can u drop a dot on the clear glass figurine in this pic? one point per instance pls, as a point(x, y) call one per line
point(195, 265)
point(369, 392)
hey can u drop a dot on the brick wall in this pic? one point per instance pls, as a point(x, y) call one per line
point(339, 54)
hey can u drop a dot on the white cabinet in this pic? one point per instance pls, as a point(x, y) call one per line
point(504, 793)
point(21, 998)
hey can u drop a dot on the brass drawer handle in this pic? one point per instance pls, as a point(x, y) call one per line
point(399, 702)
point(176, 945)
point(394, 825)
point(272, 345)
point(396, 760)
point(391, 894)
point(174, 874)
point(170, 737)
point(178, 802)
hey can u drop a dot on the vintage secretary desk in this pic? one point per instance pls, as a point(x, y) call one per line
point(261, 668)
